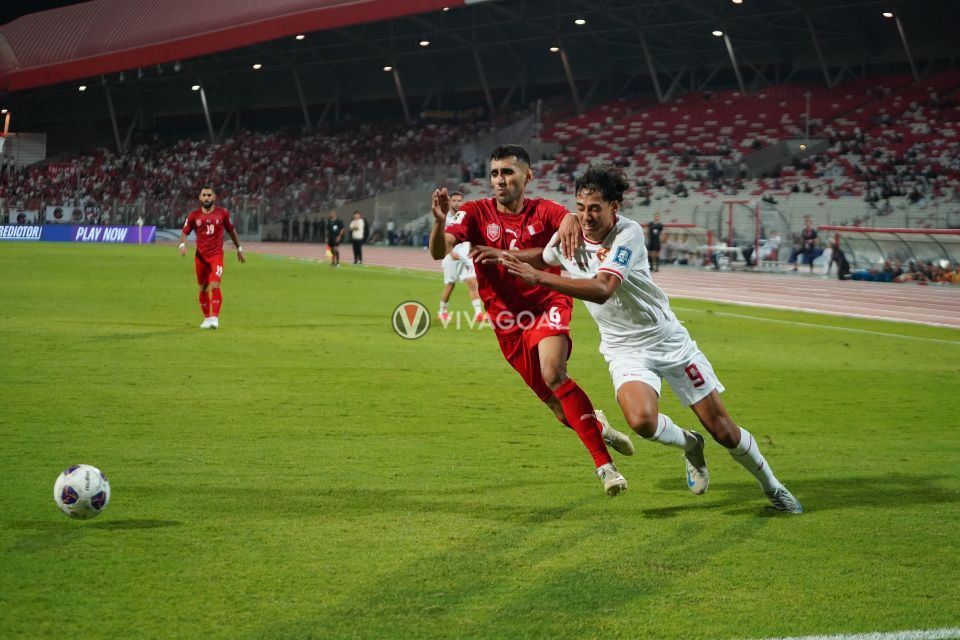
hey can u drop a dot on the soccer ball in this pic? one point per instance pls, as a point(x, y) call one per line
point(82, 491)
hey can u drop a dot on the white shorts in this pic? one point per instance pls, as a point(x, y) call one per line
point(675, 358)
point(457, 270)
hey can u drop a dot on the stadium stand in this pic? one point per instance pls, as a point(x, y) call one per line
point(291, 171)
point(892, 158)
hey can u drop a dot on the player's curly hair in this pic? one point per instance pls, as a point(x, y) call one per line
point(607, 179)
point(507, 150)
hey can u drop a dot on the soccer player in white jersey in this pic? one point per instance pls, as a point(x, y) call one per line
point(641, 339)
point(458, 267)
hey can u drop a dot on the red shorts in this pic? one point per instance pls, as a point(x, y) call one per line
point(520, 348)
point(209, 270)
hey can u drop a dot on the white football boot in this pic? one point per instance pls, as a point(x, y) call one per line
point(698, 478)
point(206, 323)
point(620, 442)
point(613, 482)
point(783, 500)
point(214, 322)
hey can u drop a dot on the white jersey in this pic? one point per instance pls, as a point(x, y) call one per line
point(638, 314)
point(462, 249)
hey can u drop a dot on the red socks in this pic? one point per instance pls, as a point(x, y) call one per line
point(578, 410)
point(210, 302)
point(216, 299)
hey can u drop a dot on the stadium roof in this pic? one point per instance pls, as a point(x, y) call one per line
point(141, 59)
point(107, 36)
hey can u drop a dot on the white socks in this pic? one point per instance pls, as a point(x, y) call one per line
point(671, 435)
point(477, 306)
point(747, 453)
point(443, 306)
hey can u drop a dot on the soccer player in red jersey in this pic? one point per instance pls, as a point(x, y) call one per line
point(209, 222)
point(531, 322)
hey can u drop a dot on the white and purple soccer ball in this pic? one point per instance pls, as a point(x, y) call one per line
point(82, 491)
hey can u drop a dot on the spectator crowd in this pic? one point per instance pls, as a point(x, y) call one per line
point(294, 171)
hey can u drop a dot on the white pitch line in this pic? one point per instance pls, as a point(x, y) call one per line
point(779, 307)
point(929, 317)
point(918, 634)
point(817, 326)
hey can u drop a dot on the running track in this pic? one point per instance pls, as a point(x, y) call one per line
point(932, 305)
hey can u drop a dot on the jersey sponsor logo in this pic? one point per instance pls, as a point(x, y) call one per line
point(602, 253)
point(622, 257)
point(493, 232)
point(410, 320)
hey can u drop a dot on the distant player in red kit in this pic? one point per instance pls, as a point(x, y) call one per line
point(531, 322)
point(209, 222)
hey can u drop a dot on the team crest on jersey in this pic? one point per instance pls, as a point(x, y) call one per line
point(493, 232)
point(622, 257)
point(603, 253)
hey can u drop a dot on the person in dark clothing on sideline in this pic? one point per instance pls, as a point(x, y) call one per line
point(653, 242)
point(843, 266)
point(335, 232)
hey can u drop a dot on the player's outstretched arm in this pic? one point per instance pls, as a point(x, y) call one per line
point(236, 243)
point(441, 243)
point(597, 289)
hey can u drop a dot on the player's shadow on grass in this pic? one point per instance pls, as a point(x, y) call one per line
point(858, 492)
point(719, 496)
point(500, 501)
point(815, 494)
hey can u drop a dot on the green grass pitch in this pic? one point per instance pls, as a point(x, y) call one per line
point(305, 473)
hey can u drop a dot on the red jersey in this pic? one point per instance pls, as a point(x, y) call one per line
point(536, 223)
point(209, 228)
